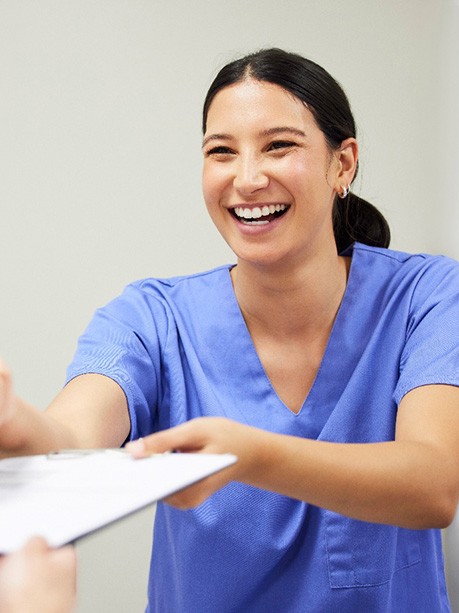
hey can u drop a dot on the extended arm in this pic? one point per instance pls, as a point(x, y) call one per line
point(411, 482)
point(91, 411)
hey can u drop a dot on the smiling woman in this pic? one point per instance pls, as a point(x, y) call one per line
point(326, 362)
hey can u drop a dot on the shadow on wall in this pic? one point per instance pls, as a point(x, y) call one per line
point(451, 547)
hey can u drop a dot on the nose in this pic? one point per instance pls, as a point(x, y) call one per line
point(250, 175)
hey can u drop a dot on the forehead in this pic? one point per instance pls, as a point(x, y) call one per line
point(251, 104)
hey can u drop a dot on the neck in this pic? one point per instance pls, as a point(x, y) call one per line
point(299, 301)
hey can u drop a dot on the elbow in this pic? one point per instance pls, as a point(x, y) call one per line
point(447, 500)
point(440, 520)
point(447, 513)
point(439, 512)
point(438, 495)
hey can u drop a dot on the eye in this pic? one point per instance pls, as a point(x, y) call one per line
point(220, 150)
point(281, 144)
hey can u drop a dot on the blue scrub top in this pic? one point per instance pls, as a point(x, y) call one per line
point(180, 348)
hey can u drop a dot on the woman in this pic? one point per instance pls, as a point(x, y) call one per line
point(327, 363)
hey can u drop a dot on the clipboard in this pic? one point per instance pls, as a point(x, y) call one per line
point(67, 495)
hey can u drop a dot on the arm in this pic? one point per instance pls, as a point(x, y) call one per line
point(91, 411)
point(411, 482)
point(37, 579)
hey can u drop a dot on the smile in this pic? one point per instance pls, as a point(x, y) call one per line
point(259, 215)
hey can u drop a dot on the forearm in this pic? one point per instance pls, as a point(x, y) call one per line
point(411, 482)
point(91, 411)
point(29, 431)
point(403, 483)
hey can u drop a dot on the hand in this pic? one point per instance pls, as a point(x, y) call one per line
point(37, 579)
point(205, 435)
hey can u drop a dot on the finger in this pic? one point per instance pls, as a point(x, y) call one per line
point(6, 393)
point(180, 438)
point(65, 557)
point(3, 367)
point(36, 545)
point(5, 381)
point(62, 558)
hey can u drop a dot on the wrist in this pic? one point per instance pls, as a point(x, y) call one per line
point(258, 457)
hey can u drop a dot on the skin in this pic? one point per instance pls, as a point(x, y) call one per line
point(37, 579)
point(261, 147)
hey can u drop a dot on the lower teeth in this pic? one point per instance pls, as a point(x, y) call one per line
point(254, 223)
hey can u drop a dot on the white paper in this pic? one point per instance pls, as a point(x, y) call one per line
point(63, 497)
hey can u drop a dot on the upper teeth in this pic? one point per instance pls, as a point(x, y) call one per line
point(258, 212)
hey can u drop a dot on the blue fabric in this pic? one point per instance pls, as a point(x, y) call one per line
point(180, 348)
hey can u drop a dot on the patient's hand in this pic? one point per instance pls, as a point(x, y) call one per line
point(37, 579)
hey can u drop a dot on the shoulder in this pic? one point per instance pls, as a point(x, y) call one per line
point(153, 306)
point(411, 285)
point(196, 279)
point(160, 296)
point(419, 268)
point(181, 286)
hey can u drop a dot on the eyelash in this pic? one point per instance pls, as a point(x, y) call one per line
point(281, 144)
point(219, 150)
point(274, 146)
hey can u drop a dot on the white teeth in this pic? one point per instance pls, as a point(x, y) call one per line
point(258, 222)
point(257, 212)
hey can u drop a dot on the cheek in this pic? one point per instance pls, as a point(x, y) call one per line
point(213, 186)
point(292, 176)
point(306, 178)
point(295, 168)
point(207, 189)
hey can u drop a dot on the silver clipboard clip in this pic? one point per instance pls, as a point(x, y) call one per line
point(69, 454)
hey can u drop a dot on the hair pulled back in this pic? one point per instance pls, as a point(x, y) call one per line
point(354, 219)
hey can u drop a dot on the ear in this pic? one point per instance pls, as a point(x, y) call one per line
point(347, 155)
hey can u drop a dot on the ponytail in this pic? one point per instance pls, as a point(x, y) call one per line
point(356, 220)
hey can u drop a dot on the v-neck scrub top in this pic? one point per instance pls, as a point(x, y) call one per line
point(179, 348)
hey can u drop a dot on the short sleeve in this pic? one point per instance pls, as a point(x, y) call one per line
point(431, 351)
point(123, 342)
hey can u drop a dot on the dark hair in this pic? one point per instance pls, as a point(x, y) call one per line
point(354, 219)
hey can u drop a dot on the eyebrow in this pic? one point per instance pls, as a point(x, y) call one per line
point(212, 137)
point(269, 132)
point(283, 130)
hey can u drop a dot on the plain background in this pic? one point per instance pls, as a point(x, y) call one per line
point(100, 168)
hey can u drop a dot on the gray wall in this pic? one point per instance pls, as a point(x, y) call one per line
point(100, 168)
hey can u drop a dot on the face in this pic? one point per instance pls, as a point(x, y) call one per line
point(269, 178)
